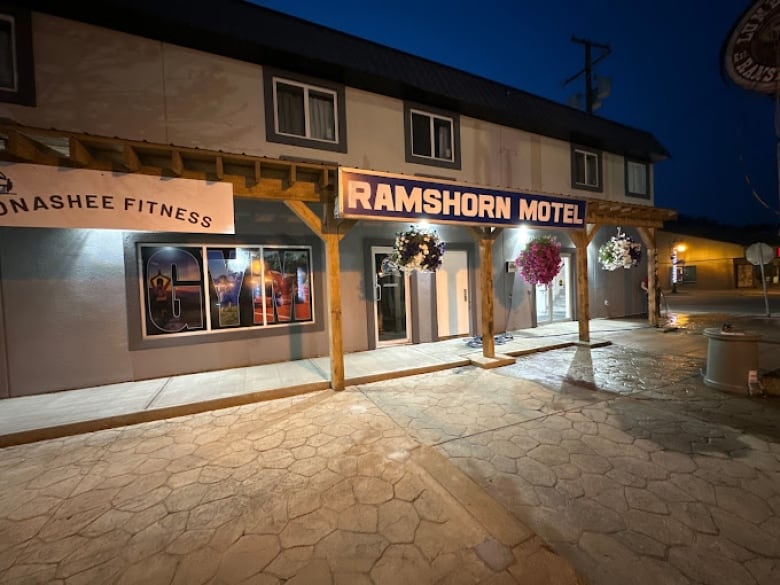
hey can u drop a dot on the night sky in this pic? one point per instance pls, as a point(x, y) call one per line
point(664, 68)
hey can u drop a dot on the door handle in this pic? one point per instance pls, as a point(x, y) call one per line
point(378, 292)
point(465, 295)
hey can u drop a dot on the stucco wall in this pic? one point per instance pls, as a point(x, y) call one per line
point(90, 79)
point(71, 312)
point(70, 309)
point(64, 309)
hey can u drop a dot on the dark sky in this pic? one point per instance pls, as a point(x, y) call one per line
point(664, 67)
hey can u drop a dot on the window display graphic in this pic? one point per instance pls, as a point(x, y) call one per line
point(296, 273)
point(243, 287)
point(274, 287)
point(174, 289)
point(287, 289)
point(226, 270)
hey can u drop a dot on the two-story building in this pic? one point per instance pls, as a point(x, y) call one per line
point(175, 194)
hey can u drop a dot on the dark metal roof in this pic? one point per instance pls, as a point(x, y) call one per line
point(245, 31)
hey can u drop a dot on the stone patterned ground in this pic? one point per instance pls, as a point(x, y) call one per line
point(622, 460)
point(318, 490)
point(616, 463)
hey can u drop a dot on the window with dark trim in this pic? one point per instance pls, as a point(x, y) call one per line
point(637, 179)
point(304, 112)
point(586, 168)
point(17, 77)
point(192, 289)
point(432, 136)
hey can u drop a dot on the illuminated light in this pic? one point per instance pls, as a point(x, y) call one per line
point(523, 236)
point(681, 247)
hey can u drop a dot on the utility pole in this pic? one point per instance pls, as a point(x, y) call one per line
point(591, 93)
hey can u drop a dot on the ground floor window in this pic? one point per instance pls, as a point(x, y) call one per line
point(188, 289)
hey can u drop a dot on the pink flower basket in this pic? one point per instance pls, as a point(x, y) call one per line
point(540, 261)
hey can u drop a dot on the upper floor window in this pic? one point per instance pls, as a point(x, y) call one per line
point(432, 137)
point(17, 80)
point(637, 179)
point(304, 112)
point(586, 169)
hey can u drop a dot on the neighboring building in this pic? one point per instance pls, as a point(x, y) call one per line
point(713, 259)
point(171, 178)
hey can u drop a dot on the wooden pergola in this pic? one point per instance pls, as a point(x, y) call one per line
point(299, 185)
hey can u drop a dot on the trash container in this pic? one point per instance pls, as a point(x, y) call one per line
point(731, 356)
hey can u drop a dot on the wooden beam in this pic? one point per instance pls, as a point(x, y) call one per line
point(306, 215)
point(252, 177)
point(272, 190)
point(580, 239)
point(79, 153)
point(480, 233)
point(623, 221)
point(292, 175)
point(591, 230)
point(177, 163)
point(27, 149)
point(647, 236)
point(130, 159)
point(333, 286)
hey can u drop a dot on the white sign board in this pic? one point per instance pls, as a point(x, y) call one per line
point(58, 197)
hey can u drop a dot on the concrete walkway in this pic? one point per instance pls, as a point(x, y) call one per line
point(32, 418)
point(607, 464)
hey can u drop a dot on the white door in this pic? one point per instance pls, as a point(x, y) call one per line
point(452, 294)
point(553, 302)
point(391, 299)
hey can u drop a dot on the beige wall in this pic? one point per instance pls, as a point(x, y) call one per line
point(714, 260)
point(107, 83)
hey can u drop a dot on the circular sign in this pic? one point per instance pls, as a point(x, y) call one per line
point(750, 55)
point(758, 254)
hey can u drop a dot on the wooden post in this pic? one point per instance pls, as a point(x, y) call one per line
point(648, 239)
point(331, 237)
point(581, 240)
point(336, 338)
point(486, 263)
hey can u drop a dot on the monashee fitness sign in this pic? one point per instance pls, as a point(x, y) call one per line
point(57, 197)
point(374, 195)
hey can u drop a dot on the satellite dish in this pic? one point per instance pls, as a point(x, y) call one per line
point(759, 254)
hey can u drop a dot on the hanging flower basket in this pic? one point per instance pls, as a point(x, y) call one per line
point(416, 249)
point(540, 261)
point(620, 251)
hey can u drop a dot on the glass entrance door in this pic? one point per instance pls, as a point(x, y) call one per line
point(391, 299)
point(553, 302)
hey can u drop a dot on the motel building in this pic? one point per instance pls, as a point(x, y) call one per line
point(194, 186)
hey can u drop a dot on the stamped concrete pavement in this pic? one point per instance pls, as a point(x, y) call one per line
point(322, 489)
point(621, 459)
point(607, 465)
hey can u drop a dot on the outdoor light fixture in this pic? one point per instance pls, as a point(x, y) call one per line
point(522, 237)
